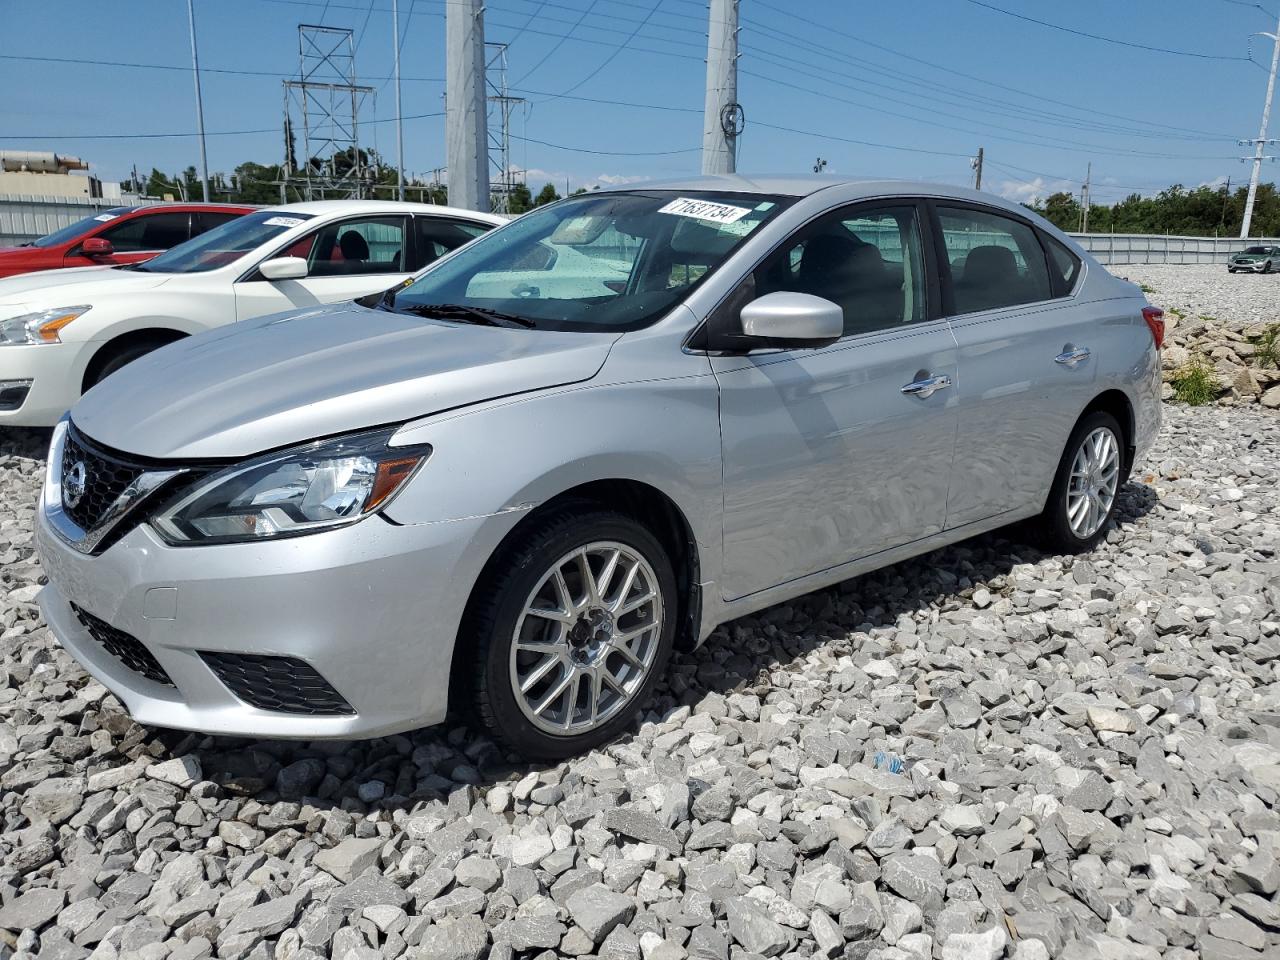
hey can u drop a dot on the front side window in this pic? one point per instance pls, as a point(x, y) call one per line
point(224, 244)
point(80, 227)
point(608, 261)
point(367, 245)
point(869, 261)
point(156, 231)
point(996, 261)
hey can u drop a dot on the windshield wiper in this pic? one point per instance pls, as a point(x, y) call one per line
point(468, 314)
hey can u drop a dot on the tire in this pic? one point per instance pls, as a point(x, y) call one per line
point(1055, 523)
point(1267, 268)
point(106, 364)
point(579, 649)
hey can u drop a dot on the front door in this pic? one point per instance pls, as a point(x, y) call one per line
point(345, 260)
point(840, 452)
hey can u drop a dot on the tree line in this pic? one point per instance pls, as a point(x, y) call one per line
point(1200, 212)
point(266, 183)
point(1204, 211)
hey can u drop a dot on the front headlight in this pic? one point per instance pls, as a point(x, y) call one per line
point(319, 486)
point(39, 327)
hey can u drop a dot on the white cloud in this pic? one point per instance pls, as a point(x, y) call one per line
point(1030, 191)
point(535, 177)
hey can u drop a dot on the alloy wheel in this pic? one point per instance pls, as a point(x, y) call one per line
point(586, 638)
point(1095, 476)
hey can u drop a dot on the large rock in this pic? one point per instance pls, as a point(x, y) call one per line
point(597, 910)
point(350, 858)
point(752, 928)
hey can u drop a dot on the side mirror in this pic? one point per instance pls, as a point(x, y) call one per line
point(792, 319)
point(97, 247)
point(283, 268)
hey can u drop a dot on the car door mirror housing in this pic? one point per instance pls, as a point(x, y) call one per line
point(97, 247)
point(791, 319)
point(283, 268)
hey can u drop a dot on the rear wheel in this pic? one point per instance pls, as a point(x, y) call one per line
point(573, 626)
point(1083, 497)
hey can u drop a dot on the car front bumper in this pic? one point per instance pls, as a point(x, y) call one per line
point(1247, 267)
point(372, 608)
point(54, 371)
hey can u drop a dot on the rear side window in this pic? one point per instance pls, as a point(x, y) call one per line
point(996, 261)
point(1064, 263)
point(207, 221)
point(364, 245)
point(436, 237)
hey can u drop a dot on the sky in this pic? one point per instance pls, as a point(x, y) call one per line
point(1159, 94)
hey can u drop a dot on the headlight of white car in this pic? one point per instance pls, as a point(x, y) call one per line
point(319, 486)
point(39, 327)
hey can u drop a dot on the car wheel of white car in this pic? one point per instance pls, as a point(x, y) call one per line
point(1086, 486)
point(572, 627)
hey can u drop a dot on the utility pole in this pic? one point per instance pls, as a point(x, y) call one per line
point(395, 39)
point(195, 72)
point(722, 118)
point(500, 138)
point(976, 163)
point(1088, 199)
point(466, 134)
point(1262, 140)
point(1226, 196)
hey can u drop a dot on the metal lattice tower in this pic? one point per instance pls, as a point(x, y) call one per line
point(325, 103)
point(504, 178)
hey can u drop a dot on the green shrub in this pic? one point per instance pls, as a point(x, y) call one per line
point(1146, 289)
point(1195, 383)
point(1266, 347)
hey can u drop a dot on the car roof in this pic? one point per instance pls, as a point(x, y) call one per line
point(326, 208)
point(188, 207)
point(803, 185)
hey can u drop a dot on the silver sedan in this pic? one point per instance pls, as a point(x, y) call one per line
point(578, 443)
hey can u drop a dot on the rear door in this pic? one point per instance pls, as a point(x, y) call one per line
point(346, 259)
point(840, 452)
point(1026, 356)
point(436, 236)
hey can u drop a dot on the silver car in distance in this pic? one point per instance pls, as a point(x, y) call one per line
point(578, 443)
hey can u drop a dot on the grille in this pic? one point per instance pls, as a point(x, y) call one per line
point(105, 478)
point(124, 647)
point(280, 684)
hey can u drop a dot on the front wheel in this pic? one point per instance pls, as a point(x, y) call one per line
point(1083, 496)
point(572, 627)
point(1267, 268)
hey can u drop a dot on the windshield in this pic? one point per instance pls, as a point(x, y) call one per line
point(79, 227)
point(1258, 250)
point(611, 261)
point(223, 244)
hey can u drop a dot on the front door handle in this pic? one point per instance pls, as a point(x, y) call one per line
point(927, 387)
point(1073, 356)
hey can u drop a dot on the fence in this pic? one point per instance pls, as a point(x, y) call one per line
point(1113, 248)
point(24, 217)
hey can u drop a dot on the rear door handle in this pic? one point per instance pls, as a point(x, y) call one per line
point(927, 387)
point(1073, 356)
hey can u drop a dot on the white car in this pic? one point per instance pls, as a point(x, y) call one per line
point(63, 332)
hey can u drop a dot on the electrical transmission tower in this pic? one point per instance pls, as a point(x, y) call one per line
point(325, 103)
point(504, 178)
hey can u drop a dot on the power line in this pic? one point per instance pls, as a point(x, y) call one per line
point(547, 56)
point(791, 15)
point(861, 143)
point(607, 153)
point(617, 50)
point(1104, 39)
point(163, 136)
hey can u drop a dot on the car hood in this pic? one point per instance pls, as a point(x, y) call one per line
point(1250, 256)
point(49, 287)
point(293, 377)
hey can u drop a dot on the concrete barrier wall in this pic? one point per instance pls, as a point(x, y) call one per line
point(1112, 248)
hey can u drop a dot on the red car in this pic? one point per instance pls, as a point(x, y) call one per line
point(119, 235)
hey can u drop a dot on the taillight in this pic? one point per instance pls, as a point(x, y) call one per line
point(1155, 321)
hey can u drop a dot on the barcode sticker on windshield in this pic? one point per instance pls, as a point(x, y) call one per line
point(282, 222)
point(104, 217)
point(705, 210)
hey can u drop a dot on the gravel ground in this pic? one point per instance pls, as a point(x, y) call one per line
point(986, 752)
point(1201, 290)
